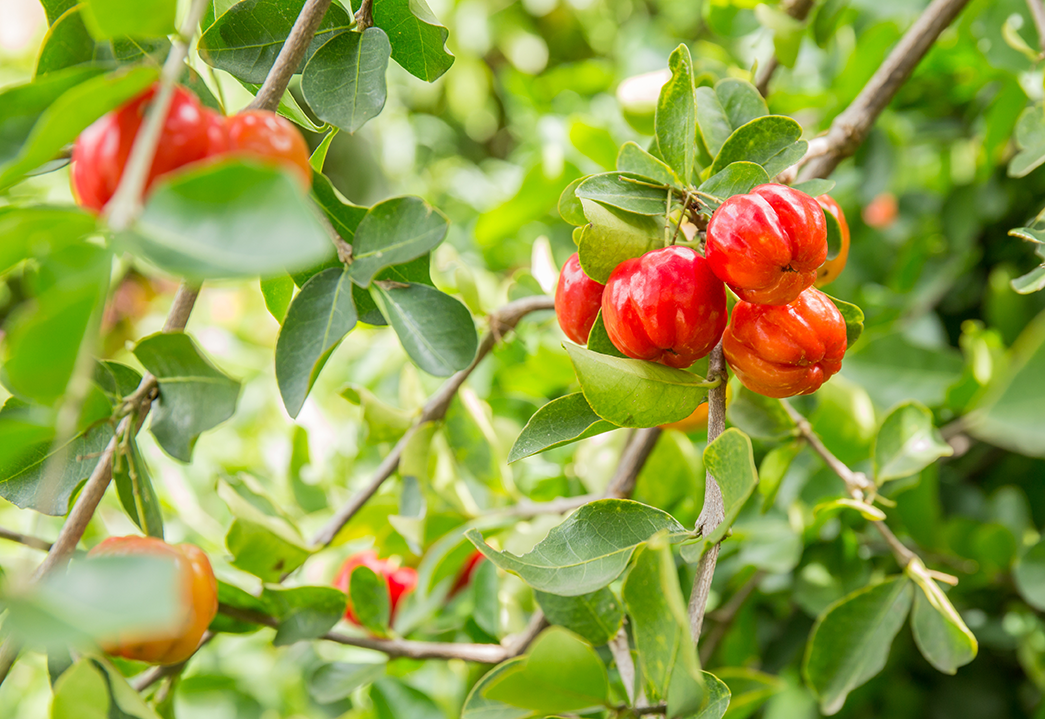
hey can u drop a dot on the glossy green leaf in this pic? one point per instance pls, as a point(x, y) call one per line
point(633, 159)
point(1033, 281)
point(417, 38)
point(261, 539)
point(716, 697)
point(194, 394)
point(721, 110)
point(1029, 575)
point(562, 421)
point(245, 40)
point(730, 460)
point(587, 551)
point(318, 319)
point(850, 642)
point(370, 600)
point(814, 187)
point(635, 393)
point(478, 706)
point(393, 698)
point(597, 617)
point(570, 207)
point(336, 681)
point(116, 380)
point(907, 443)
point(81, 693)
point(229, 219)
point(617, 190)
point(393, 232)
point(344, 82)
point(304, 612)
point(599, 340)
point(613, 236)
point(938, 629)
point(1030, 139)
point(561, 673)
point(278, 292)
point(69, 43)
point(771, 141)
point(758, 416)
point(736, 178)
point(435, 329)
point(68, 115)
point(854, 319)
point(131, 18)
point(137, 495)
point(676, 117)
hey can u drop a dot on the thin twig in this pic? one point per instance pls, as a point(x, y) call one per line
point(147, 678)
point(1037, 12)
point(25, 539)
point(713, 512)
point(365, 16)
point(852, 126)
point(501, 322)
point(724, 616)
point(799, 10)
point(625, 664)
point(290, 56)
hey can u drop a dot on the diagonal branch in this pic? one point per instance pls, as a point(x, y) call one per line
point(290, 55)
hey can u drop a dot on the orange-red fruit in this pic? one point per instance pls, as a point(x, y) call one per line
point(198, 601)
point(785, 350)
point(577, 300)
point(665, 306)
point(833, 267)
point(267, 136)
point(882, 211)
point(464, 576)
point(101, 151)
point(400, 582)
point(768, 244)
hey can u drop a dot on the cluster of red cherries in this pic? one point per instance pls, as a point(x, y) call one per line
point(784, 338)
point(191, 134)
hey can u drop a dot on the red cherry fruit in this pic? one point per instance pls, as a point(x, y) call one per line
point(400, 582)
point(577, 300)
point(267, 136)
point(464, 576)
point(101, 151)
point(767, 245)
point(786, 350)
point(665, 306)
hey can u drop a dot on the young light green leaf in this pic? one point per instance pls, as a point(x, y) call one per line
point(417, 38)
point(116, 380)
point(676, 117)
point(333, 682)
point(633, 159)
point(68, 43)
point(570, 207)
point(39, 230)
point(868, 511)
point(906, 443)
point(561, 673)
point(562, 421)
point(587, 551)
point(1030, 139)
point(597, 616)
point(21, 105)
point(277, 292)
point(736, 178)
point(393, 232)
point(343, 215)
point(194, 394)
point(92, 688)
point(304, 612)
point(478, 706)
point(108, 19)
point(617, 190)
point(344, 82)
point(730, 460)
point(749, 689)
point(814, 187)
point(435, 329)
point(635, 393)
point(1033, 281)
point(599, 340)
point(613, 236)
point(318, 319)
point(261, 539)
point(771, 141)
point(245, 40)
point(137, 495)
point(853, 316)
point(229, 219)
point(850, 642)
point(370, 600)
point(938, 629)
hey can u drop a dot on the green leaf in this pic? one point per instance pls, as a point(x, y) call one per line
point(587, 551)
point(907, 443)
point(814, 187)
point(737, 178)
point(478, 706)
point(560, 673)
point(1008, 414)
point(570, 207)
point(68, 115)
point(131, 18)
point(893, 370)
point(137, 495)
point(318, 158)
point(749, 689)
point(304, 613)
point(1029, 575)
point(344, 82)
point(229, 219)
point(731, 104)
point(715, 698)
point(370, 600)
point(336, 681)
point(850, 642)
point(562, 421)
point(613, 236)
point(418, 40)
point(941, 635)
point(787, 33)
point(245, 40)
point(730, 460)
point(278, 292)
point(654, 600)
point(633, 159)
point(116, 380)
point(635, 393)
point(393, 232)
point(194, 394)
point(81, 693)
point(261, 539)
point(1030, 139)
point(759, 416)
point(771, 141)
point(1033, 281)
point(868, 511)
point(436, 330)
point(318, 319)
point(39, 230)
point(614, 189)
point(394, 699)
point(343, 215)
point(597, 617)
point(599, 340)
point(69, 43)
point(676, 117)
point(853, 316)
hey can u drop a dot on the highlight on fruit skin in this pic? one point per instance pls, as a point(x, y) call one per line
point(697, 421)
point(578, 299)
point(833, 266)
point(785, 350)
point(198, 601)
